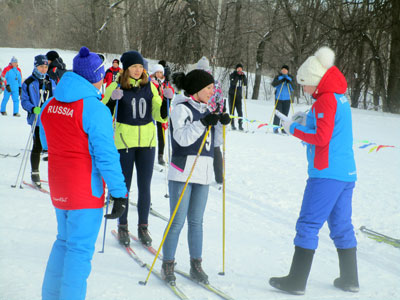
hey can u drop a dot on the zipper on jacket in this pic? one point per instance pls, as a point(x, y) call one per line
point(151, 140)
point(126, 145)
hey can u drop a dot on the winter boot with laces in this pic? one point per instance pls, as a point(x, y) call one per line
point(123, 235)
point(196, 271)
point(143, 234)
point(36, 178)
point(167, 272)
point(348, 280)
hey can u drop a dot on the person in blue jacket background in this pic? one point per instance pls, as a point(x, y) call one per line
point(283, 84)
point(327, 130)
point(13, 88)
point(36, 89)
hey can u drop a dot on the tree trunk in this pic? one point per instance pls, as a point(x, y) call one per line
point(259, 64)
point(393, 91)
point(236, 33)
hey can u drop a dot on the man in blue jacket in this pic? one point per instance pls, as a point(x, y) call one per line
point(283, 90)
point(36, 89)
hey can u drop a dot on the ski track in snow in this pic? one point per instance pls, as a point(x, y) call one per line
point(265, 181)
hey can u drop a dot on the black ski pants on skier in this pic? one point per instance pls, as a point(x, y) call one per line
point(283, 106)
point(218, 164)
point(36, 150)
point(143, 159)
point(160, 137)
point(238, 106)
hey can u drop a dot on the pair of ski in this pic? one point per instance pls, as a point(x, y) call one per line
point(35, 187)
point(152, 212)
point(379, 237)
point(178, 292)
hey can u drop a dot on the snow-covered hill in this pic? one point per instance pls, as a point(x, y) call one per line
point(265, 180)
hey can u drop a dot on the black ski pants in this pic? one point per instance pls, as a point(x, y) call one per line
point(238, 105)
point(218, 170)
point(160, 137)
point(36, 150)
point(283, 106)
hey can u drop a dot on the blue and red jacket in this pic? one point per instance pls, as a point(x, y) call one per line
point(328, 131)
point(77, 131)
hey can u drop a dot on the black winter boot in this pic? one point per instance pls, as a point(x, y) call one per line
point(123, 235)
point(348, 280)
point(143, 234)
point(196, 271)
point(36, 178)
point(167, 272)
point(295, 283)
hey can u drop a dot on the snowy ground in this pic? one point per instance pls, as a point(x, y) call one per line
point(266, 176)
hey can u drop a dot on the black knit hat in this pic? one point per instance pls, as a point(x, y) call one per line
point(285, 67)
point(52, 55)
point(239, 66)
point(131, 58)
point(193, 81)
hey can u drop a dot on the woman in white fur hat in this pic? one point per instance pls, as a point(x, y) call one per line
point(327, 130)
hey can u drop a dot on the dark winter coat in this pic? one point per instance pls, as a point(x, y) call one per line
point(56, 69)
point(283, 85)
point(236, 81)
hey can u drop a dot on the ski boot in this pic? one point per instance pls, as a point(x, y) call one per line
point(143, 234)
point(4, 113)
point(16, 115)
point(161, 160)
point(240, 127)
point(35, 177)
point(167, 272)
point(196, 271)
point(123, 235)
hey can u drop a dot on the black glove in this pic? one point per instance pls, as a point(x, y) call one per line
point(20, 91)
point(225, 118)
point(210, 120)
point(8, 88)
point(164, 109)
point(118, 208)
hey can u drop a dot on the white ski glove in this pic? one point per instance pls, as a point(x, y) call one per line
point(300, 117)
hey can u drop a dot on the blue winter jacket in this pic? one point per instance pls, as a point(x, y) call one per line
point(31, 98)
point(13, 77)
point(283, 85)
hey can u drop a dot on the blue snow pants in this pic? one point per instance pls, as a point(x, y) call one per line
point(69, 264)
point(15, 99)
point(326, 200)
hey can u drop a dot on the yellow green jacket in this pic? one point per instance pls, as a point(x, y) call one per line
point(129, 136)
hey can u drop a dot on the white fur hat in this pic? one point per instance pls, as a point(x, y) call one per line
point(203, 64)
point(157, 68)
point(315, 67)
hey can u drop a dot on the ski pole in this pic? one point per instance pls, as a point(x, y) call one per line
point(290, 97)
point(223, 201)
point(234, 98)
point(276, 103)
point(105, 223)
point(245, 110)
point(108, 195)
point(25, 155)
point(169, 132)
point(165, 167)
point(171, 219)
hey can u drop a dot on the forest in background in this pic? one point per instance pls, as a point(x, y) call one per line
point(261, 34)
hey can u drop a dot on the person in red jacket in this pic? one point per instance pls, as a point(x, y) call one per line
point(77, 130)
point(111, 73)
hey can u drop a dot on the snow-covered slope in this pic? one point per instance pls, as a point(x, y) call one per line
point(265, 180)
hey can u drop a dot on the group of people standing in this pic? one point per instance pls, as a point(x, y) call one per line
point(92, 137)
